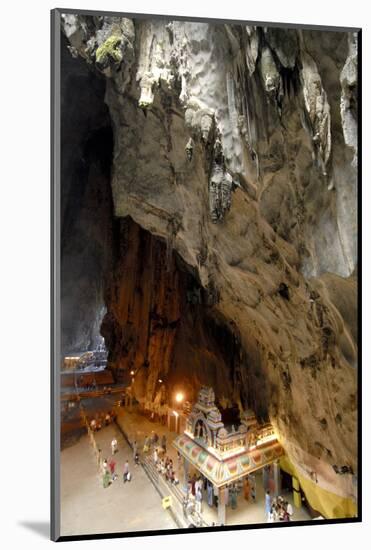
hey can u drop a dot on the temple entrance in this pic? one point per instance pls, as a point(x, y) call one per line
point(225, 464)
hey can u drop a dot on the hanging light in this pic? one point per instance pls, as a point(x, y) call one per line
point(179, 397)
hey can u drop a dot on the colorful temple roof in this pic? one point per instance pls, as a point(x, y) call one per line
point(222, 472)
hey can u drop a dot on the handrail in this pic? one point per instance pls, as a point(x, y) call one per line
point(176, 492)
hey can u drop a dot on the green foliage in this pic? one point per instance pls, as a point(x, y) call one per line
point(110, 48)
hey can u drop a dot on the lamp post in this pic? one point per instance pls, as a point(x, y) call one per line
point(178, 398)
point(176, 414)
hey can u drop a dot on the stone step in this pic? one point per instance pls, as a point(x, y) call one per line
point(172, 490)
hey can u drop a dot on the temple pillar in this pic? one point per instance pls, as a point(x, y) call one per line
point(265, 478)
point(221, 506)
point(277, 478)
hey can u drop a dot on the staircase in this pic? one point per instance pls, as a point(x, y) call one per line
point(165, 489)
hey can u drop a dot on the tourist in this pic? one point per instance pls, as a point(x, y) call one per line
point(106, 479)
point(270, 518)
point(114, 446)
point(146, 445)
point(233, 495)
point(281, 509)
point(246, 489)
point(172, 478)
point(168, 472)
point(286, 515)
point(135, 448)
point(107, 419)
point(163, 443)
point(274, 511)
point(155, 456)
point(126, 472)
point(112, 466)
point(290, 510)
point(198, 498)
point(209, 489)
point(198, 484)
point(193, 485)
point(105, 466)
point(136, 459)
point(267, 504)
point(253, 488)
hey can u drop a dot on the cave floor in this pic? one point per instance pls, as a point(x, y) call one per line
point(137, 427)
point(87, 508)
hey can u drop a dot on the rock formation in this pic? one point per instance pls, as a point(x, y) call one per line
point(234, 184)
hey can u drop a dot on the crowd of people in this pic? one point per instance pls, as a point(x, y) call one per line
point(199, 489)
point(277, 509)
point(108, 467)
point(154, 442)
point(165, 467)
point(163, 463)
point(102, 419)
point(195, 496)
point(86, 387)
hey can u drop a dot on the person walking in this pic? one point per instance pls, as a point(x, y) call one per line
point(106, 479)
point(135, 448)
point(267, 505)
point(253, 488)
point(210, 494)
point(246, 489)
point(198, 498)
point(126, 472)
point(163, 443)
point(114, 446)
point(112, 466)
point(193, 485)
point(104, 466)
point(233, 493)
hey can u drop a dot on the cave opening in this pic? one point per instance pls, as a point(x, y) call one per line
point(160, 326)
point(86, 203)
